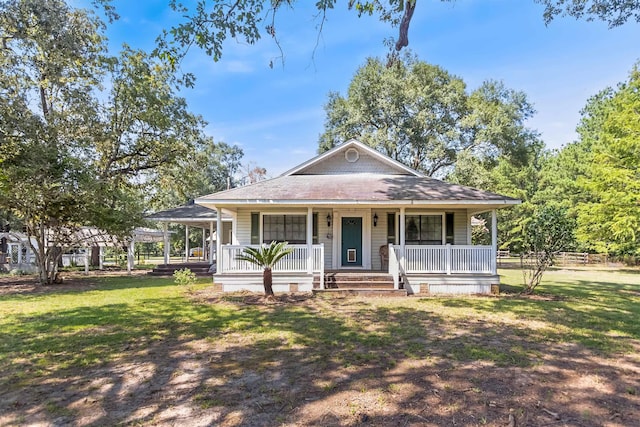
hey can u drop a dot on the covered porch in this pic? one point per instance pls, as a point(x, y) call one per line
point(455, 267)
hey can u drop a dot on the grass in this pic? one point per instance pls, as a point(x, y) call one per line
point(49, 336)
point(75, 328)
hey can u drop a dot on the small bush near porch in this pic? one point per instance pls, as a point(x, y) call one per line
point(142, 350)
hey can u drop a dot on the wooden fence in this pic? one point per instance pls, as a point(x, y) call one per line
point(562, 259)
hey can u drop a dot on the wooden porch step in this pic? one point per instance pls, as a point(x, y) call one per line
point(198, 268)
point(365, 280)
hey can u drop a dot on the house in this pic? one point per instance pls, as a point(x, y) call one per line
point(353, 209)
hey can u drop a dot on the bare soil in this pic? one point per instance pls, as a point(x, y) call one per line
point(227, 381)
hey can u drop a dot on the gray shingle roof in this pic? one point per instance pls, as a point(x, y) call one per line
point(186, 212)
point(354, 187)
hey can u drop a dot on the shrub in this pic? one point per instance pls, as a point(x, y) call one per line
point(184, 277)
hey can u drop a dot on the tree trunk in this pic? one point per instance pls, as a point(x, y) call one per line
point(267, 281)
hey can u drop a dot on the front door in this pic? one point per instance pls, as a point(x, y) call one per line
point(351, 242)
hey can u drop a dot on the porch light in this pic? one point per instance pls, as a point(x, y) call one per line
point(375, 219)
point(329, 220)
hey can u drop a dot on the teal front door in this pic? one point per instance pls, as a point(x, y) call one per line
point(351, 242)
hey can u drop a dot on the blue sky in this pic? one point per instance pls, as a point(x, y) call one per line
point(276, 115)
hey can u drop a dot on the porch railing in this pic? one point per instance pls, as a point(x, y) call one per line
point(444, 259)
point(296, 262)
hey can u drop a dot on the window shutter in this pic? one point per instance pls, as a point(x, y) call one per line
point(315, 228)
point(391, 228)
point(449, 228)
point(255, 228)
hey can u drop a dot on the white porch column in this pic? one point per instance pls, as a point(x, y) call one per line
point(219, 260)
point(131, 255)
point(211, 242)
point(469, 228)
point(19, 251)
point(186, 243)
point(101, 258)
point(402, 237)
point(28, 251)
point(204, 244)
point(494, 241)
point(309, 240)
point(165, 240)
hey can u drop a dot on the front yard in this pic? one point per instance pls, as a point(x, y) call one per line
point(141, 350)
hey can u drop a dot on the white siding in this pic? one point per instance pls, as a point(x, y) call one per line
point(337, 164)
point(459, 227)
point(378, 237)
point(325, 235)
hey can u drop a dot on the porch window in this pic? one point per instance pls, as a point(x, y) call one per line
point(423, 230)
point(284, 228)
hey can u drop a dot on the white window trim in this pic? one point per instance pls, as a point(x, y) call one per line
point(270, 213)
point(443, 237)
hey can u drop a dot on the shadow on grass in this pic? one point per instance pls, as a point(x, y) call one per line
point(233, 364)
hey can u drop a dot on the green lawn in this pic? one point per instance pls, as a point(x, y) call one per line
point(143, 350)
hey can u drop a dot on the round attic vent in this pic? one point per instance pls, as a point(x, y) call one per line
point(351, 155)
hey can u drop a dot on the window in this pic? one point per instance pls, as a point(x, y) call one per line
point(284, 228)
point(423, 230)
point(391, 228)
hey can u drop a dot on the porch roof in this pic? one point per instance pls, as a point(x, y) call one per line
point(190, 214)
point(357, 188)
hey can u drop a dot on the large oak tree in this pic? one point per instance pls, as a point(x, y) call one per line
point(424, 117)
point(78, 127)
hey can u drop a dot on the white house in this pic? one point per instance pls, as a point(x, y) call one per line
point(353, 209)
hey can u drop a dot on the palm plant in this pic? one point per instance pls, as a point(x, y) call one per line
point(266, 256)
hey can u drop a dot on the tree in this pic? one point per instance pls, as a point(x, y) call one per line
point(208, 23)
point(546, 233)
point(212, 167)
point(75, 154)
point(266, 257)
point(422, 116)
point(613, 12)
point(610, 220)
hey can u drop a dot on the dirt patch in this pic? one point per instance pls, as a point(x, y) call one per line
point(342, 367)
point(28, 284)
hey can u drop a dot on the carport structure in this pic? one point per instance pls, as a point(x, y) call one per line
point(195, 216)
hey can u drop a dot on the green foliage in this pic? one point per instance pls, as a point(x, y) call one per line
point(613, 12)
point(422, 116)
point(209, 169)
point(545, 234)
point(184, 277)
point(609, 220)
point(74, 152)
point(207, 24)
point(266, 256)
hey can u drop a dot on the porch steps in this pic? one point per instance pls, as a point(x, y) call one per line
point(199, 268)
point(361, 292)
point(365, 283)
